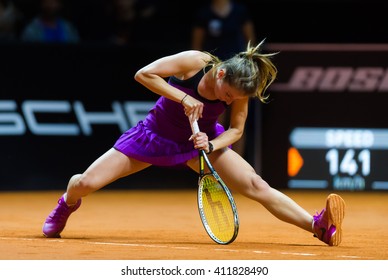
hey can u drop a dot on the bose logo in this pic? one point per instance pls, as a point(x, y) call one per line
point(361, 79)
point(123, 115)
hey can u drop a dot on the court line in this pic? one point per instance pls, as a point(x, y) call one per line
point(350, 257)
point(227, 250)
point(261, 252)
point(172, 247)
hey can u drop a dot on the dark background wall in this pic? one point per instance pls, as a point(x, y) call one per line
point(94, 76)
point(97, 73)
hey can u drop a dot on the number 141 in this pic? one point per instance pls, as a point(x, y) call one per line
point(349, 163)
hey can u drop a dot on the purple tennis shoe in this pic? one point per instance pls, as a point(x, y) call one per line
point(56, 221)
point(327, 224)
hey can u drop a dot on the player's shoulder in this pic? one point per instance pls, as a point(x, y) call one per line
point(194, 55)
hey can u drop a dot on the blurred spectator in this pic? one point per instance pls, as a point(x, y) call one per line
point(130, 19)
point(223, 27)
point(124, 16)
point(10, 18)
point(50, 26)
point(92, 18)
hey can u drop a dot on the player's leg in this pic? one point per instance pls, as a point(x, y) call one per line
point(240, 176)
point(109, 167)
point(106, 169)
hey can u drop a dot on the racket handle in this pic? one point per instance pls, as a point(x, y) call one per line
point(195, 127)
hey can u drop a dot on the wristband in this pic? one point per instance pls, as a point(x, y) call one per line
point(183, 99)
point(210, 147)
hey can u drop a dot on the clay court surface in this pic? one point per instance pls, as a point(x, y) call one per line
point(164, 225)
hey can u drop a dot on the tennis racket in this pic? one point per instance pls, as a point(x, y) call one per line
point(216, 204)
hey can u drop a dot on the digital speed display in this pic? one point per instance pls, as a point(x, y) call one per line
point(326, 123)
point(338, 158)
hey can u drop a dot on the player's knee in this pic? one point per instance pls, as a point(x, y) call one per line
point(257, 186)
point(83, 183)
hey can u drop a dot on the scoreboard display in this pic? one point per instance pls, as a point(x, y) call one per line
point(326, 124)
point(341, 158)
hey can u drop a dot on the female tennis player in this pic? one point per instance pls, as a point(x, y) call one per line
point(200, 87)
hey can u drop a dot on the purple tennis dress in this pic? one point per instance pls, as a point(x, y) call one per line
point(162, 138)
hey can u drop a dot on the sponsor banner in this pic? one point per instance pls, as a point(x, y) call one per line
point(47, 117)
point(61, 107)
point(327, 94)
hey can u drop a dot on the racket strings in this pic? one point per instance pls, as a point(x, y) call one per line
point(217, 209)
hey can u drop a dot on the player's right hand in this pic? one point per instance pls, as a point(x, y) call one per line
point(193, 108)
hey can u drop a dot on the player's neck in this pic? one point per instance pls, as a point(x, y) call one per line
point(206, 87)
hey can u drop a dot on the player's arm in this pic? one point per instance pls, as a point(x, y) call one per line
point(238, 116)
point(183, 65)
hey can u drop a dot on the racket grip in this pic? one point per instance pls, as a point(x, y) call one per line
point(195, 127)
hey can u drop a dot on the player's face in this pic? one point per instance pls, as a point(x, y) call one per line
point(226, 93)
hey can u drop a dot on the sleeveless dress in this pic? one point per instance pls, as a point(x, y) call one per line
point(162, 138)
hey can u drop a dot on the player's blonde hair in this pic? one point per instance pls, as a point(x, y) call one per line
point(250, 71)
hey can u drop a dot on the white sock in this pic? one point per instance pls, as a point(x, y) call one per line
point(65, 198)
